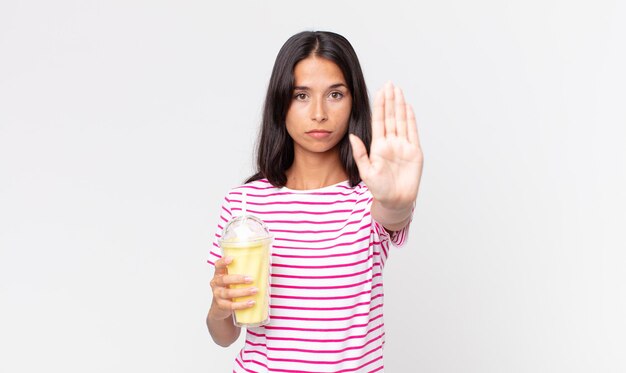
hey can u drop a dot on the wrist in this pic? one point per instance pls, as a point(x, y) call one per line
point(394, 208)
point(392, 218)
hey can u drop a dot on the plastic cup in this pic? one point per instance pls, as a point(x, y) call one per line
point(247, 240)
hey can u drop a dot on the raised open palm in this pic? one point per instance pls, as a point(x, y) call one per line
point(393, 170)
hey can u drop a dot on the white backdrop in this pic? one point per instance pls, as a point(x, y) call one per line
point(115, 118)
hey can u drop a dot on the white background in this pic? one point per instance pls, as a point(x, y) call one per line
point(123, 123)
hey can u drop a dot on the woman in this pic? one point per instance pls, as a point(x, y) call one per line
point(335, 186)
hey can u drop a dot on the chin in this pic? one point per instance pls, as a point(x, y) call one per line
point(325, 149)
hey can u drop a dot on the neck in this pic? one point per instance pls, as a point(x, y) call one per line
point(315, 170)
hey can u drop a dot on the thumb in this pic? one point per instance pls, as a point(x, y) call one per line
point(360, 155)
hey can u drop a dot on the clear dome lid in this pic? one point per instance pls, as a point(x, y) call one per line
point(245, 228)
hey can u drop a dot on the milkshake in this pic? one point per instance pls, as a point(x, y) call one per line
point(247, 240)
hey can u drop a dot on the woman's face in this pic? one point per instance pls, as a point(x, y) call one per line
point(318, 115)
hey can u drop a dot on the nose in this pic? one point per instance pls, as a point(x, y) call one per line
point(318, 111)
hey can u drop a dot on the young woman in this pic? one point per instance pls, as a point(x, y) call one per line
point(336, 187)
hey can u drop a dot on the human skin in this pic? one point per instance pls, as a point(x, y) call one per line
point(317, 120)
point(393, 170)
point(321, 103)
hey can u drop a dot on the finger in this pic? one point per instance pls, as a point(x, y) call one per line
point(224, 281)
point(400, 113)
point(359, 152)
point(230, 294)
point(235, 279)
point(242, 305)
point(390, 114)
point(412, 134)
point(232, 306)
point(378, 118)
point(240, 292)
point(221, 265)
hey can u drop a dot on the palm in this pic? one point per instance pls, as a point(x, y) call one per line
point(392, 172)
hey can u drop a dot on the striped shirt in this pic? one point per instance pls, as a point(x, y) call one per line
point(326, 292)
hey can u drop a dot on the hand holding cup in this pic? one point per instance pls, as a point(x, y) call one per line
point(223, 305)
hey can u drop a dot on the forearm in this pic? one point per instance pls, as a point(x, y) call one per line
point(223, 331)
point(392, 218)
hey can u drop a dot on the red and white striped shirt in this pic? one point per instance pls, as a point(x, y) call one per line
point(326, 293)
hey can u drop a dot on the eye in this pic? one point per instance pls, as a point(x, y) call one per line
point(300, 96)
point(336, 95)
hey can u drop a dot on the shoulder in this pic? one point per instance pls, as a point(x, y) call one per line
point(253, 189)
point(256, 186)
point(362, 191)
point(361, 188)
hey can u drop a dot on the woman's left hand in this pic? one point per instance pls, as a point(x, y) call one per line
point(393, 170)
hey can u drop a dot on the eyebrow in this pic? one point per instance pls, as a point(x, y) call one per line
point(305, 88)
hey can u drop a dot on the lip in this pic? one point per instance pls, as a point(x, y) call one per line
point(319, 134)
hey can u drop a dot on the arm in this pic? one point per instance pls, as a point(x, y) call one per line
point(223, 331)
point(393, 169)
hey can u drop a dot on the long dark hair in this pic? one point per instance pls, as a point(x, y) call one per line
point(275, 146)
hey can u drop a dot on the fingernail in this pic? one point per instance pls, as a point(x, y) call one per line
point(247, 279)
point(254, 291)
point(251, 303)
